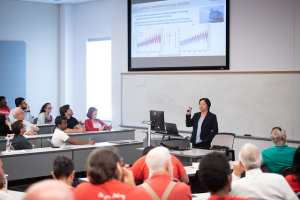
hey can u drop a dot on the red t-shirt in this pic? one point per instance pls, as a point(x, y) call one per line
point(5, 111)
point(160, 182)
point(295, 185)
point(141, 171)
point(216, 197)
point(110, 190)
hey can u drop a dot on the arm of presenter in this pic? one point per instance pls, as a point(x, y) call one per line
point(189, 120)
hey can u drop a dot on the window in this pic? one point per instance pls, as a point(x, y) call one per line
point(98, 77)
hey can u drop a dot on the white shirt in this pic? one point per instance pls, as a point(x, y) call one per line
point(5, 196)
point(59, 138)
point(28, 126)
point(261, 186)
point(97, 125)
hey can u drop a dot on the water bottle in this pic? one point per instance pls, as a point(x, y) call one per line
point(7, 144)
point(5, 182)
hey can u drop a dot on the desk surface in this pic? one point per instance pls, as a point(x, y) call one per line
point(201, 196)
point(16, 195)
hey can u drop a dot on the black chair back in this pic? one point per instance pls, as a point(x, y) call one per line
point(286, 171)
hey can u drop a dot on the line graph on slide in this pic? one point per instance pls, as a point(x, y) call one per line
point(146, 42)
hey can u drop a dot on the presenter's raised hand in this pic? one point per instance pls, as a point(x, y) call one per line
point(189, 111)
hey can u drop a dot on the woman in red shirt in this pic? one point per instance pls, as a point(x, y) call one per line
point(294, 178)
point(94, 124)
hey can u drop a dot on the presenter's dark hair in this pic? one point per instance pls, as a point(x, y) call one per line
point(59, 119)
point(44, 107)
point(18, 101)
point(102, 164)
point(214, 171)
point(16, 126)
point(296, 166)
point(2, 97)
point(4, 129)
point(147, 149)
point(64, 109)
point(207, 101)
point(63, 166)
point(90, 112)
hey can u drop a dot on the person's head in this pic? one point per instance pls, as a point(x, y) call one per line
point(18, 127)
point(92, 113)
point(2, 101)
point(63, 169)
point(204, 104)
point(48, 189)
point(20, 102)
point(3, 119)
point(296, 163)
point(158, 161)
point(46, 108)
point(1, 175)
point(104, 164)
point(66, 111)
point(278, 135)
point(4, 128)
point(214, 172)
point(250, 157)
point(18, 114)
point(61, 122)
point(147, 149)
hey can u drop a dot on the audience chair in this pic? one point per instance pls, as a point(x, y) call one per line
point(298, 195)
point(225, 140)
point(35, 120)
point(286, 171)
point(53, 129)
point(265, 169)
point(196, 185)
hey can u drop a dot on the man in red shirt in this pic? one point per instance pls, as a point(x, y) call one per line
point(107, 179)
point(214, 173)
point(141, 171)
point(4, 109)
point(160, 184)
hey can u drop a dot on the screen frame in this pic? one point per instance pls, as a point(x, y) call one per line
point(226, 67)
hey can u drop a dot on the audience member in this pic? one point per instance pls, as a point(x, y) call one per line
point(20, 103)
point(60, 138)
point(141, 171)
point(49, 190)
point(3, 192)
point(4, 109)
point(215, 175)
point(72, 122)
point(160, 183)
point(294, 178)
point(44, 116)
point(5, 128)
point(256, 184)
point(94, 124)
point(281, 155)
point(63, 170)
point(107, 179)
point(19, 142)
point(19, 114)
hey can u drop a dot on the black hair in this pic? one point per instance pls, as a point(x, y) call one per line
point(295, 168)
point(64, 109)
point(43, 107)
point(4, 129)
point(18, 101)
point(16, 126)
point(213, 171)
point(63, 166)
point(207, 101)
point(59, 119)
point(102, 164)
point(2, 97)
point(147, 149)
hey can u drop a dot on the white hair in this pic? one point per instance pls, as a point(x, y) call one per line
point(16, 112)
point(156, 159)
point(250, 156)
point(277, 135)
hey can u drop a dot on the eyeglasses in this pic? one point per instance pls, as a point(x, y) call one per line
point(276, 128)
point(49, 108)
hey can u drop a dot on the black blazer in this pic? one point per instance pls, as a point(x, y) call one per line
point(209, 127)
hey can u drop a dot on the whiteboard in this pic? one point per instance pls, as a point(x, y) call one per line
point(244, 103)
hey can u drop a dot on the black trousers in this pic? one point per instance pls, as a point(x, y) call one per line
point(202, 145)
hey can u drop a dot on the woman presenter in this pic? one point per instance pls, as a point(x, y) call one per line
point(204, 123)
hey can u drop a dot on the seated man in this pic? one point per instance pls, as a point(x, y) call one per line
point(281, 155)
point(4, 109)
point(19, 114)
point(72, 122)
point(63, 170)
point(141, 171)
point(3, 192)
point(48, 189)
point(19, 142)
point(60, 138)
point(160, 183)
point(256, 184)
point(107, 179)
point(20, 103)
point(215, 175)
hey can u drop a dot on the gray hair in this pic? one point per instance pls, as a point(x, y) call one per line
point(277, 135)
point(250, 156)
point(157, 158)
point(16, 112)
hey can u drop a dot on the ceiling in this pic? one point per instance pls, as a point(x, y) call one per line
point(60, 1)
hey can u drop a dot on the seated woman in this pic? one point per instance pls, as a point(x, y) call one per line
point(294, 178)
point(5, 128)
point(94, 124)
point(44, 116)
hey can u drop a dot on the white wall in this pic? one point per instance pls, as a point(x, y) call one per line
point(38, 25)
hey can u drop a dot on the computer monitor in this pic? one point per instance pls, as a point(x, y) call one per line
point(157, 120)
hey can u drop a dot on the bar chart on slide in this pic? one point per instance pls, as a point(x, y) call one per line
point(148, 41)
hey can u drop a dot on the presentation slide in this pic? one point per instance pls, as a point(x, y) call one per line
point(176, 33)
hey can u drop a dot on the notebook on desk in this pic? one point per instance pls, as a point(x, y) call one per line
point(120, 142)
